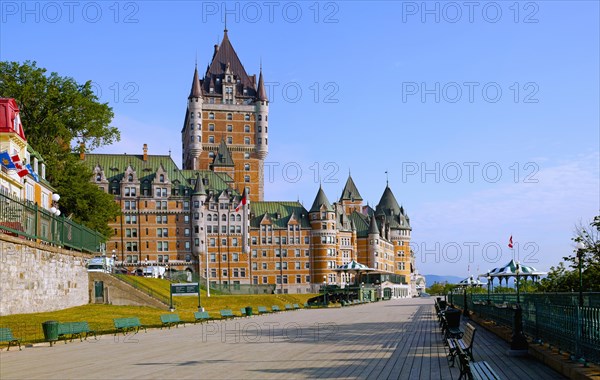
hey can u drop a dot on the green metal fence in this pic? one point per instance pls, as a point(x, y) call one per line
point(26, 219)
point(553, 318)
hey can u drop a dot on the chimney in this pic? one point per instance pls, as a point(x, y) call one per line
point(145, 152)
point(82, 151)
point(216, 50)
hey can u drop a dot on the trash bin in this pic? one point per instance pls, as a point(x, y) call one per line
point(453, 317)
point(248, 311)
point(50, 331)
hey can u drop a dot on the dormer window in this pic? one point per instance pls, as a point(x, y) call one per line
point(161, 178)
point(130, 177)
point(98, 177)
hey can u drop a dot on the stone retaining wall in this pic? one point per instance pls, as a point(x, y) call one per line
point(36, 277)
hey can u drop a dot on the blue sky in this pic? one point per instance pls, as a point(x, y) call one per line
point(485, 116)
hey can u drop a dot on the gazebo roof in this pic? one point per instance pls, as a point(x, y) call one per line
point(510, 270)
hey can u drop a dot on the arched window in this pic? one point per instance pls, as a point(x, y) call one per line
point(211, 116)
point(259, 117)
point(231, 217)
point(224, 218)
point(98, 177)
point(229, 116)
point(238, 218)
point(247, 167)
point(130, 177)
point(246, 178)
point(209, 218)
point(215, 218)
point(247, 117)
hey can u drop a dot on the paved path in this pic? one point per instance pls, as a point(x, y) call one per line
point(397, 339)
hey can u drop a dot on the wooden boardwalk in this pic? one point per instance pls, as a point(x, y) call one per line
point(398, 339)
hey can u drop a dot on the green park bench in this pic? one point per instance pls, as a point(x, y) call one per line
point(71, 330)
point(296, 306)
point(200, 316)
point(465, 343)
point(469, 369)
point(227, 313)
point(275, 309)
point(7, 336)
point(128, 324)
point(169, 320)
point(262, 310)
point(288, 307)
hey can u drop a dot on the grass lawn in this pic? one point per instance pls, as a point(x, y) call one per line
point(28, 327)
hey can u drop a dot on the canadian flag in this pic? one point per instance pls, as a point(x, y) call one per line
point(21, 170)
point(510, 242)
point(242, 203)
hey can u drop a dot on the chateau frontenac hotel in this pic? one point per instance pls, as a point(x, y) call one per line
point(194, 219)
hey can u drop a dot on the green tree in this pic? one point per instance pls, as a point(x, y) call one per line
point(58, 114)
point(566, 279)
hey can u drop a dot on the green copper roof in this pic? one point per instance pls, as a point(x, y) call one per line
point(320, 200)
point(223, 156)
point(216, 181)
point(350, 191)
point(114, 166)
point(361, 223)
point(284, 210)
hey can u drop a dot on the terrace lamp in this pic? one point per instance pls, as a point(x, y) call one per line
point(54, 209)
point(580, 250)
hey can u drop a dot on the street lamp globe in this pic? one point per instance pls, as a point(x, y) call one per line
point(55, 197)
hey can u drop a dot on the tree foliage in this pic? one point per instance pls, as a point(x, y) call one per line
point(58, 114)
point(566, 279)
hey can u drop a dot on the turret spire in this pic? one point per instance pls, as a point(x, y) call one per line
point(262, 94)
point(196, 91)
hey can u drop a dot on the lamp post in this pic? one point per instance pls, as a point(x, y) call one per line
point(517, 271)
point(580, 250)
point(325, 290)
point(56, 212)
point(489, 279)
point(518, 345)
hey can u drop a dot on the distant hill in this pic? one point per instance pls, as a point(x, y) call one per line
point(432, 278)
